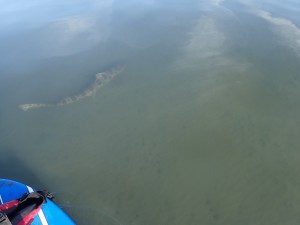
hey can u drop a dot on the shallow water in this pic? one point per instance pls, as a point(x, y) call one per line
point(201, 127)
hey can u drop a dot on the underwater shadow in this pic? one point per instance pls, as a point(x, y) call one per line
point(13, 168)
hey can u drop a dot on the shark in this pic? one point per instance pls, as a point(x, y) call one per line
point(101, 79)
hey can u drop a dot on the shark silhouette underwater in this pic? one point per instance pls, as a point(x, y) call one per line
point(100, 80)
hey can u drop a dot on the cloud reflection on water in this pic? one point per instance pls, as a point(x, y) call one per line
point(205, 40)
point(288, 32)
point(72, 34)
point(47, 29)
point(208, 44)
point(36, 13)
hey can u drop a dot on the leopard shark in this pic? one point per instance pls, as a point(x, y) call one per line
point(100, 80)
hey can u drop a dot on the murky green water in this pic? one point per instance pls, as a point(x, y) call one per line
point(201, 127)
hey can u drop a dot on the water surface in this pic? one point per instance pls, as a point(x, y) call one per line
point(201, 127)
